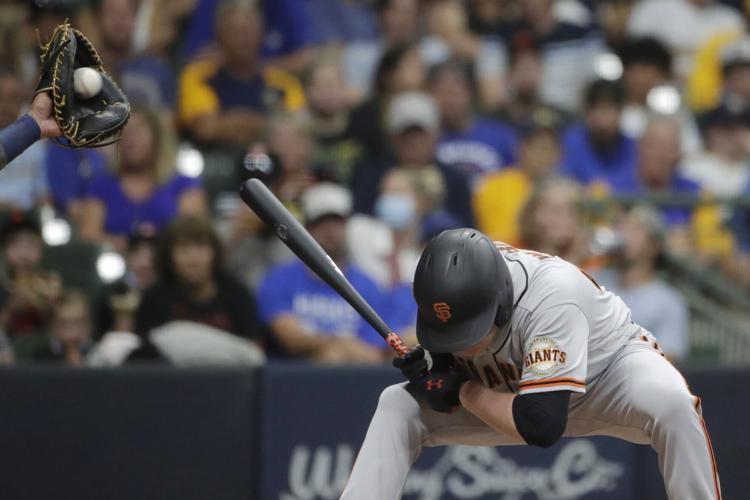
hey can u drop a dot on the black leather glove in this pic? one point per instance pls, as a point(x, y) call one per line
point(414, 365)
point(440, 390)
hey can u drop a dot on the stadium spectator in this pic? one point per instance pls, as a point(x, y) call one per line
point(501, 196)
point(253, 248)
point(117, 303)
point(654, 304)
point(340, 146)
point(387, 246)
point(690, 24)
point(401, 69)
point(144, 193)
point(193, 286)
point(306, 317)
point(69, 174)
point(470, 145)
point(286, 35)
point(291, 144)
point(486, 17)
point(735, 66)
point(659, 159)
point(448, 37)
point(398, 23)
point(719, 74)
point(688, 227)
point(568, 46)
point(339, 22)
point(70, 332)
point(146, 80)
point(540, 19)
point(225, 100)
point(722, 168)
point(596, 150)
point(524, 81)
point(551, 221)
point(23, 183)
point(646, 64)
point(412, 122)
point(159, 27)
point(27, 292)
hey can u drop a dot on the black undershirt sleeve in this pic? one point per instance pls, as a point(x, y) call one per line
point(541, 418)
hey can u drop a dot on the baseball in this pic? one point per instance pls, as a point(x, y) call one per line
point(87, 82)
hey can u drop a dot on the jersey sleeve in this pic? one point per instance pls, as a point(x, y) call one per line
point(556, 351)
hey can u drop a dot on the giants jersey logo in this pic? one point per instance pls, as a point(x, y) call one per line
point(544, 356)
point(492, 374)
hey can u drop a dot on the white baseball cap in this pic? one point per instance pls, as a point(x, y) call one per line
point(326, 198)
point(412, 109)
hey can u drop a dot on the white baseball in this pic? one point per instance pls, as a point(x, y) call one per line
point(87, 82)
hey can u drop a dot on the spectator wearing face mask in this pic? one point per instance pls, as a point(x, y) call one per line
point(386, 246)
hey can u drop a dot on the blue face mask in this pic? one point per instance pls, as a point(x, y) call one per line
point(395, 210)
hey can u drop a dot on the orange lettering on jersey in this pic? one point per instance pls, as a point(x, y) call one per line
point(491, 376)
point(473, 370)
point(442, 311)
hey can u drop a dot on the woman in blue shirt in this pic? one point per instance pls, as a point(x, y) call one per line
point(144, 193)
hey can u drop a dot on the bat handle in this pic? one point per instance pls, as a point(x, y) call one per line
point(397, 344)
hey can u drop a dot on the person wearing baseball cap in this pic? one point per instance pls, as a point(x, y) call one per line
point(412, 122)
point(306, 317)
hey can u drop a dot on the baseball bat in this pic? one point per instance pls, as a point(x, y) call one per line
point(288, 229)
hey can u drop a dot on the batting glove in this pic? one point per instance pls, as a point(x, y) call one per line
point(415, 364)
point(440, 390)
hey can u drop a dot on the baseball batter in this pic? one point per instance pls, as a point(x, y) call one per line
point(526, 348)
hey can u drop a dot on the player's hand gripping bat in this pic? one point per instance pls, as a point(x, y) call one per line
point(263, 202)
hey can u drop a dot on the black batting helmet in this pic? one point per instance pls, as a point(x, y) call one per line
point(462, 286)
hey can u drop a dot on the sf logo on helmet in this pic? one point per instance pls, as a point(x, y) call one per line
point(442, 311)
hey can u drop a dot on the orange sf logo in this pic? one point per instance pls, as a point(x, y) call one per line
point(442, 311)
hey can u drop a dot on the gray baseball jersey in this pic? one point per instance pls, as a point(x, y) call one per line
point(564, 329)
point(566, 333)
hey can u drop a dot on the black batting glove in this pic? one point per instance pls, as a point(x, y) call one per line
point(413, 365)
point(440, 390)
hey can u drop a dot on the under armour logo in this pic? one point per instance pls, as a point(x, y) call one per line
point(442, 311)
point(437, 384)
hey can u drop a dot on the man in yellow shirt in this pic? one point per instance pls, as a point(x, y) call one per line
point(225, 99)
point(501, 196)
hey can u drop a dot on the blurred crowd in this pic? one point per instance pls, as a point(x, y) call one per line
point(605, 132)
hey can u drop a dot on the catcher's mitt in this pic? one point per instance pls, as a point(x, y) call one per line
point(84, 122)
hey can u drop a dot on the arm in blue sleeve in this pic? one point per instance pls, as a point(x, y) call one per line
point(16, 137)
